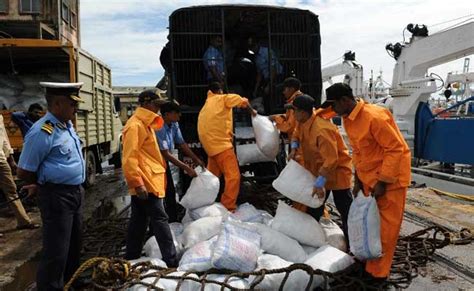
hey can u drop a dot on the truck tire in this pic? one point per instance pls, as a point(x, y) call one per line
point(116, 159)
point(91, 169)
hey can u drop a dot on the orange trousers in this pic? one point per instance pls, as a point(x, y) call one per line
point(391, 207)
point(226, 163)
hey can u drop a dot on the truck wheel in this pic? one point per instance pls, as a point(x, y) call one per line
point(91, 166)
point(116, 159)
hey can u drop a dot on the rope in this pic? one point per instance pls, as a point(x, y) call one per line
point(107, 271)
point(453, 195)
point(20, 197)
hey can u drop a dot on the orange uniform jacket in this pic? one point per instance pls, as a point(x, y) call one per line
point(287, 123)
point(379, 150)
point(215, 128)
point(324, 151)
point(142, 162)
point(380, 153)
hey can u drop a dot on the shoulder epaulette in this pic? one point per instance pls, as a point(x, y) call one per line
point(61, 125)
point(48, 127)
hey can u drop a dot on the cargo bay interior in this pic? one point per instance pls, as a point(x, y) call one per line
point(283, 31)
point(292, 41)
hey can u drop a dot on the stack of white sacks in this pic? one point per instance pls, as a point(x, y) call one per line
point(247, 240)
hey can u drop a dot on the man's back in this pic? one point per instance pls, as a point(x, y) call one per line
point(215, 122)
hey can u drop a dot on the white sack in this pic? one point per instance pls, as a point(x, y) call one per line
point(152, 249)
point(187, 218)
point(296, 183)
point(297, 280)
point(201, 230)
point(298, 225)
point(364, 228)
point(266, 135)
point(233, 281)
point(329, 259)
point(276, 243)
point(154, 261)
point(334, 234)
point(216, 209)
point(202, 191)
point(248, 213)
point(309, 249)
point(198, 257)
point(237, 247)
point(168, 284)
point(177, 228)
point(250, 153)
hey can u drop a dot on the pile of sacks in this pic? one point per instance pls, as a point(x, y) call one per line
point(249, 240)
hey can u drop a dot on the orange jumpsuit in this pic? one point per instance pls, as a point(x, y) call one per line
point(142, 162)
point(287, 123)
point(380, 153)
point(324, 152)
point(215, 133)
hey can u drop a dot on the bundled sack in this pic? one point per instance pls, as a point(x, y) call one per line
point(164, 284)
point(276, 243)
point(237, 247)
point(201, 230)
point(167, 284)
point(202, 191)
point(198, 257)
point(250, 153)
point(309, 249)
point(298, 225)
point(297, 280)
point(296, 183)
point(152, 249)
point(266, 135)
point(153, 261)
point(248, 213)
point(328, 259)
point(363, 226)
point(334, 234)
point(216, 209)
point(235, 282)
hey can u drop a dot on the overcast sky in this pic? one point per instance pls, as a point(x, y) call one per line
point(128, 35)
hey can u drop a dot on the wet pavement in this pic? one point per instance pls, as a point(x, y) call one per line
point(19, 250)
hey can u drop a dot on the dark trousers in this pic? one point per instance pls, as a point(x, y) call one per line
point(171, 206)
point(150, 209)
point(343, 200)
point(61, 214)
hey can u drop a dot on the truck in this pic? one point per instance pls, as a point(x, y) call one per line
point(291, 35)
point(26, 62)
point(40, 41)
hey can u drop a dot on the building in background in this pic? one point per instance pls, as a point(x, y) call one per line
point(128, 99)
point(41, 19)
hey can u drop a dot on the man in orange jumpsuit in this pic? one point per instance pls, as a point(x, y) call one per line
point(144, 169)
point(286, 123)
point(325, 155)
point(215, 130)
point(382, 164)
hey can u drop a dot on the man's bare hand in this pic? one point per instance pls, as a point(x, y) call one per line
point(379, 189)
point(292, 155)
point(190, 172)
point(320, 192)
point(31, 188)
point(142, 193)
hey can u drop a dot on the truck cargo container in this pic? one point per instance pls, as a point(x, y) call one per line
point(26, 62)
